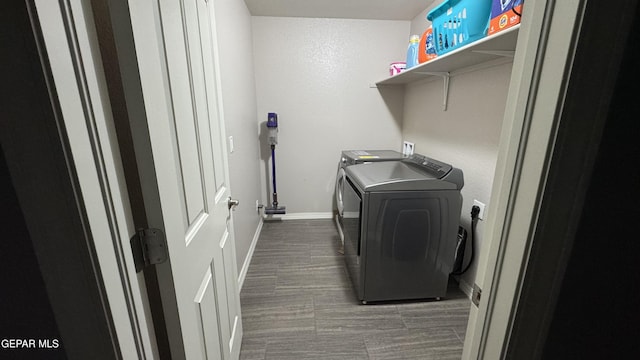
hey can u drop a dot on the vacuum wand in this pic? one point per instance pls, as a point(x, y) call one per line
point(272, 127)
point(273, 172)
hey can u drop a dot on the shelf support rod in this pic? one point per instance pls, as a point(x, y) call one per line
point(445, 75)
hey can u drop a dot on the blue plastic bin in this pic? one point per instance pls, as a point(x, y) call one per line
point(457, 23)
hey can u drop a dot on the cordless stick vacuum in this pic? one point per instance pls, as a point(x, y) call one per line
point(272, 127)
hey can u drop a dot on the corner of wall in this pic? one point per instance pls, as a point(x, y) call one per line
point(420, 23)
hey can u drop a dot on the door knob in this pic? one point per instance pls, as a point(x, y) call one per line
point(231, 203)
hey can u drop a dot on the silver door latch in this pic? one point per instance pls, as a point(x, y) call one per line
point(231, 203)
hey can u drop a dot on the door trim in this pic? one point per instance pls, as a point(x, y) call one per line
point(542, 68)
point(39, 156)
point(544, 54)
point(571, 163)
point(117, 48)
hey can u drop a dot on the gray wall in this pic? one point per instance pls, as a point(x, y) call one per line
point(233, 25)
point(316, 74)
point(466, 135)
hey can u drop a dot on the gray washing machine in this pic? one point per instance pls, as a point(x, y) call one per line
point(400, 222)
point(354, 157)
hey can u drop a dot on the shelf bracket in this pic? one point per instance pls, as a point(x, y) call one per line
point(445, 75)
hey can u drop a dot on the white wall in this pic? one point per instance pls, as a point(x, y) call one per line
point(420, 22)
point(233, 26)
point(466, 135)
point(315, 73)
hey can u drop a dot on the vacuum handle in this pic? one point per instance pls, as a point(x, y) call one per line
point(273, 168)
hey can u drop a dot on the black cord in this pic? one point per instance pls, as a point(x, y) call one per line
point(473, 230)
point(475, 210)
point(513, 8)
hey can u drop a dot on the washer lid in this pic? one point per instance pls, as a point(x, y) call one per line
point(360, 156)
point(403, 175)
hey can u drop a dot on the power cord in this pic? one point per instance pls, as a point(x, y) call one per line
point(513, 8)
point(475, 210)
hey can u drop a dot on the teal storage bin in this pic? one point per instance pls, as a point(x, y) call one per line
point(457, 23)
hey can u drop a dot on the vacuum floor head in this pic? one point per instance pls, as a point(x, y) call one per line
point(275, 210)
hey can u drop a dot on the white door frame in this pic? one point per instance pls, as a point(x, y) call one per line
point(544, 54)
point(535, 97)
point(69, 46)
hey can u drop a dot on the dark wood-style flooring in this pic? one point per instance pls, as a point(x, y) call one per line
point(298, 303)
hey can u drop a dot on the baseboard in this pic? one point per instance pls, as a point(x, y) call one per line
point(465, 287)
point(247, 259)
point(300, 216)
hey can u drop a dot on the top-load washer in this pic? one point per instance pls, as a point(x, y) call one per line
point(353, 157)
point(400, 224)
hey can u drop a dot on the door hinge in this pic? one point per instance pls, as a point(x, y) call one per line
point(149, 247)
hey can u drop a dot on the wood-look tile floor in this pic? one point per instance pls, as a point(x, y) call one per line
point(298, 303)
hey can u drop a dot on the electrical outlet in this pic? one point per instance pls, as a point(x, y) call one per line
point(230, 144)
point(481, 206)
point(407, 148)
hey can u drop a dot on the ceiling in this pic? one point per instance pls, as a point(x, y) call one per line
point(348, 9)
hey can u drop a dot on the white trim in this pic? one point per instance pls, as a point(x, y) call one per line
point(300, 216)
point(247, 259)
point(466, 288)
point(535, 100)
point(233, 334)
point(76, 72)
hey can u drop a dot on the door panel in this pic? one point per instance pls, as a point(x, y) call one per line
point(190, 160)
point(206, 302)
point(185, 64)
point(221, 286)
point(230, 277)
point(211, 88)
point(192, 175)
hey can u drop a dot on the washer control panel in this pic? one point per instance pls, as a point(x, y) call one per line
point(429, 165)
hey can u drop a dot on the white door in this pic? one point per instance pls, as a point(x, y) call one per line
point(175, 44)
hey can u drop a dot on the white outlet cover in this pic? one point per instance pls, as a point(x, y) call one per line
point(407, 148)
point(481, 206)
